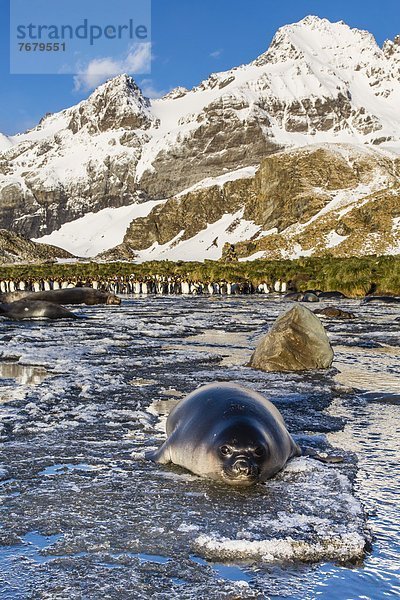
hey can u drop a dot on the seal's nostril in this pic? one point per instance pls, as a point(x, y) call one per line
point(241, 467)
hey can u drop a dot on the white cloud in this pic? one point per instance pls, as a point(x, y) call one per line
point(215, 54)
point(149, 90)
point(98, 70)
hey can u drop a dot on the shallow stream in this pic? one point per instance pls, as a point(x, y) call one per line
point(83, 515)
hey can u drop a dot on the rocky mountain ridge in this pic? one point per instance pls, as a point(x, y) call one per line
point(330, 198)
point(318, 83)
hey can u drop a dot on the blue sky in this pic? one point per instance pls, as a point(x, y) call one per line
point(190, 40)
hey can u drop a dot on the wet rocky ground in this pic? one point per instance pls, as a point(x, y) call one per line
point(83, 515)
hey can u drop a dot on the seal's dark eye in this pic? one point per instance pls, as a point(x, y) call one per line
point(225, 450)
point(259, 451)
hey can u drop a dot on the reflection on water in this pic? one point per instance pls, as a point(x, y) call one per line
point(375, 369)
point(225, 571)
point(162, 408)
point(23, 374)
point(373, 432)
point(231, 346)
point(361, 379)
point(60, 469)
point(40, 541)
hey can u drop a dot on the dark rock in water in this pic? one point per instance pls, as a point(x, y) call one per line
point(295, 296)
point(334, 313)
point(310, 297)
point(332, 295)
point(297, 341)
point(324, 457)
point(34, 309)
point(385, 299)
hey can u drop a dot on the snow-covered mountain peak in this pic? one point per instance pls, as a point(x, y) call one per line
point(122, 87)
point(118, 103)
point(176, 93)
point(319, 40)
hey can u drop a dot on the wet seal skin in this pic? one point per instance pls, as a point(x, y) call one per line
point(79, 295)
point(228, 433)
point(34, 309)
point(384, 299)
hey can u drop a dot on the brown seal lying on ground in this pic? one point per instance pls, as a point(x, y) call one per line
point(79, 295)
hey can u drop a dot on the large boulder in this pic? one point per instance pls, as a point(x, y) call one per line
point(297, 341)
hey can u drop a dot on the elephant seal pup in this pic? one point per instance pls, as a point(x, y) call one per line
point(34, 309)
point(229, 433)
point(294, 296)
point(302, 297)
point(310, 297)
point(79, 295)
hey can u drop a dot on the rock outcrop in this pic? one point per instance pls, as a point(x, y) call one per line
point(16, 249)
point(334, 313)
point(75, 162)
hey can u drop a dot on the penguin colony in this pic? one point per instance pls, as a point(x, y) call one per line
point(156, 284)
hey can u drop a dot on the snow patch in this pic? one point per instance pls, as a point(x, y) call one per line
point(395, 248)
point(5, 142)
point(333, 239)
point(97, 232)
point(255, 256)
point(243, 173)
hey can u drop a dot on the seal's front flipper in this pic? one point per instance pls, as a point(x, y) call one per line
point(323, 457)
point(296, 450)
point(328, 458)
point(161, 455)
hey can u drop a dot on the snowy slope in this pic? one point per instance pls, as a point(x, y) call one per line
point(243, 173)
point(96, 232)
point(207, 244)
point(5, 142)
